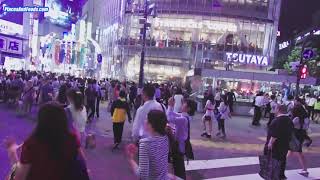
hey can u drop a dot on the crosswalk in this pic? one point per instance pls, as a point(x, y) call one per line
point(216, 164)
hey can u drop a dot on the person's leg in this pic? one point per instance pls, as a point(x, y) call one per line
point(223, 128)
point(271, 117)
point(219, 127)
point(178, 166)
point(210, 127)
point(98, 107)
point(255, 115)
point(204, 126)
point(115, 132)
point(258, 115)
point(302, 161)
point(92, 109)
point(120, 131)
point(231, 107)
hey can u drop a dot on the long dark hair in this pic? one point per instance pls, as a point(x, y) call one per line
point(52, 129)
point(76, 98)
point(300, 112)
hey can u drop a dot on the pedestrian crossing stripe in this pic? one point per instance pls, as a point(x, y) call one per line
point(314, 174)
point(220, 163)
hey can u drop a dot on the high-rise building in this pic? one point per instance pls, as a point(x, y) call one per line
point(188, 34)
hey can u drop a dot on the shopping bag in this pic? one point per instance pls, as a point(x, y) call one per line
point(251, 112)
point(294, 144)
point(90, 142)
point(269, 167)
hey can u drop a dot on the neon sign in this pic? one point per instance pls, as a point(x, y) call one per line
point(247, 59)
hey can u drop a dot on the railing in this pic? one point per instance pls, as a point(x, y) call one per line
point(203, 8)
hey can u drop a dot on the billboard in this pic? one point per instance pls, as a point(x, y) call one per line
point(11, 22)
point(63, 12)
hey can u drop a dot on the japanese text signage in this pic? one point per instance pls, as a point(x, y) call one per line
point(11, 45)
point(247, 59)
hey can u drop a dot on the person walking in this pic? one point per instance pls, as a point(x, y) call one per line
point(181, 124)
point(76, 112)
point(301, 124)
point(178, 98)
point(310, 101)
point(224, 114)
point(231, 98)
point(27, 98)
point(51, 152)
point(153, 150)
point(138, 129)
point(99, 97)
point(119, 109)
point(278, 138)
point(273, 106)
point(317, 111)
point(208, 118)
point(46, 92)
point(91, 96)
point(257, 104)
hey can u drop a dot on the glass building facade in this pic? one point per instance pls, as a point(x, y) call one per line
point(187, 34)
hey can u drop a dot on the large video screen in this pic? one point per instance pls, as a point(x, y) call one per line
point(63, 12)
point(14, 17)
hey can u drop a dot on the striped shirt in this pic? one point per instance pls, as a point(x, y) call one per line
point(153, 158)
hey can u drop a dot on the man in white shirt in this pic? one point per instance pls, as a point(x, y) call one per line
point(258, 103)
point(310, 101)
point(138, 130)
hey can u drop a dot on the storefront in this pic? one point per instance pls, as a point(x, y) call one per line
point(242, 43)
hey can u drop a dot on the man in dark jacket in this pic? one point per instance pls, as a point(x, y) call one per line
point(279, 136)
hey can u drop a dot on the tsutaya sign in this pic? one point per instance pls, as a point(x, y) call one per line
point(247, 59)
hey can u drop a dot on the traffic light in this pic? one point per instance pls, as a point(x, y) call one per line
point(303, 72)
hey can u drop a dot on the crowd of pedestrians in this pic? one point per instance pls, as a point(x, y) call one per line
point(160, 115)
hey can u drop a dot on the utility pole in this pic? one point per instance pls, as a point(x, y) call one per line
point(144, 34)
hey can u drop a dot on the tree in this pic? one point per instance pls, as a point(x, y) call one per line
point(295, 54)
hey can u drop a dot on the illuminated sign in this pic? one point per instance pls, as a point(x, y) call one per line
point(11, 45)
point(247, 59)
point(63, 12)
point(191, 23)
point(11, 23)
point(284, 45)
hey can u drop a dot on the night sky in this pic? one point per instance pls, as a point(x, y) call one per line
point(296, 15)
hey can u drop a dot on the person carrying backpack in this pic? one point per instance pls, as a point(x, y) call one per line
point(119, 109)
point(179, 136)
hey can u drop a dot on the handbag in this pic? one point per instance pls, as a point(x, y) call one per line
point(269, 167)
point(90, 141)
point(251, 112)
point(294, 144)
point(78, 170)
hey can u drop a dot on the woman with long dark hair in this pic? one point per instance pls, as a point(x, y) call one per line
point(301, 124)
point(50, 151)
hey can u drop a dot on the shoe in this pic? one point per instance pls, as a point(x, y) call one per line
point(283, 177)
point(208, 136)
point(223, 136)
point(115, 146)
point(218, 134)
point(304, 173)
point(204, 134)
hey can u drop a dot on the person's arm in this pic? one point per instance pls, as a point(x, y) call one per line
point(128, 112)
point(143, 168)
point(113, 107)
point(234, 96)
point(136, 125)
